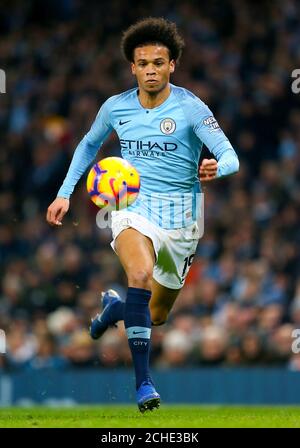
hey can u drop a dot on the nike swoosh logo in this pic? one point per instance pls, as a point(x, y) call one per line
point(138, 332)
point(123, 122)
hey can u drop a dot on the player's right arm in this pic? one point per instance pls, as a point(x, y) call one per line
point(83, 156)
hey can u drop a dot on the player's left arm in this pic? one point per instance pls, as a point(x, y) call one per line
point(227, 163)
point(208, 131)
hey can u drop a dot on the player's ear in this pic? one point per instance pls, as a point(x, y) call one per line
point(132, 68)
point(172, 66)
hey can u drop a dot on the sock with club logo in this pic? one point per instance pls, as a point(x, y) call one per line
point(138, 328)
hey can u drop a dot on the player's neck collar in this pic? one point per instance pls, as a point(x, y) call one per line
point(156, 107)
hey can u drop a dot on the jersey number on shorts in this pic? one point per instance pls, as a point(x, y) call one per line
point(187, 263)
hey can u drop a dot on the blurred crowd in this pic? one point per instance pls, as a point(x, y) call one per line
point(241, 301)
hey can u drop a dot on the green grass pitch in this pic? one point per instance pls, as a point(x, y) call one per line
point(175, 416)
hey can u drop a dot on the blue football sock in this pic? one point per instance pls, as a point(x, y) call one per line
point(138, 327)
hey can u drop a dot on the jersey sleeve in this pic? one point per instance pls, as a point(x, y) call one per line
point(87, 149)
point(209, 132)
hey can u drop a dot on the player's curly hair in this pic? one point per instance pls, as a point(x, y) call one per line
point(152, 30)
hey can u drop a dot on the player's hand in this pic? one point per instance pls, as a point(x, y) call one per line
point(208, 170)
point(57, 210)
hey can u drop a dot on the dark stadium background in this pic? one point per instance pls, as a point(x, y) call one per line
point(241, 301)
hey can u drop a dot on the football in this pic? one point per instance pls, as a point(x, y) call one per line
point(113, 183)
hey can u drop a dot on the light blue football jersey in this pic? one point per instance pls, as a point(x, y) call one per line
point(164, 144)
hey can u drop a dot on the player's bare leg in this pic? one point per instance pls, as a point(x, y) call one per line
point(133, 247)
point(137, 256)
point(161, 303)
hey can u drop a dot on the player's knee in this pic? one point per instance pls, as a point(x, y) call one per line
point(158, 317)
point(140, 278)
point(156, 323)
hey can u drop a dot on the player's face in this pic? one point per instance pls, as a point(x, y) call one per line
point(152, 67)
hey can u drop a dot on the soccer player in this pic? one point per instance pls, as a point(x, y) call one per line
point(161, 128)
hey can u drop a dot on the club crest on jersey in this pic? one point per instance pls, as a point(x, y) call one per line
point(167, 126)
